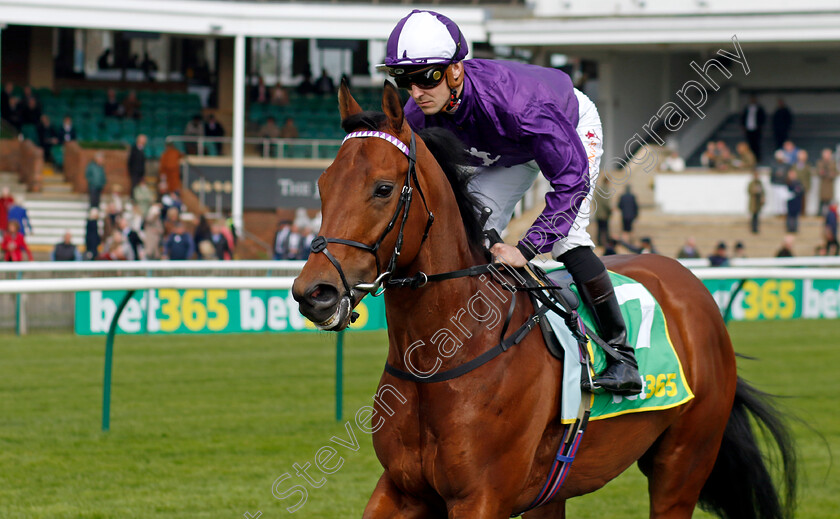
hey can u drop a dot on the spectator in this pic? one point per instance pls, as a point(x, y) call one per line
point(325, 84)
point(778, 183)
point(13, 245)
point(113, 108)
point(804, 174)
point(203, 234)
point(831, 229)
point(221, 243)
point(689, 249)
point(673, 162)
point(260, 93)
point(745, 158)
point(152, 232)
point(31, 111)
point(609, 249)
point(65, 250)
point(114, 249)
point(281, 240)
point(647, 246)
point(170, 169)
point(719, 258)
point(172, 202)
point(708, 159)
point(92, 238)
point(269, 130)
point(132, 244)
point(137, 162)
point(212, 128)
point(194, 128)
point(179, 245)
point(306, 86)
point(307, 236)
point(739, 251)
point(144, 197)
point(289, 130)
point(17, 213)
point(752, 120)
point(794, 204)
point(786, 251)
point(782, 123)
point(131, 106)
point(755, 192)
point(47, 136)
point(827, 172)
point(5, 98)
point(95, 176)
point(6, 203)
point(14, 115)
point(603, 212)
point(629, 212)
point(295, 242)
point(67, 132)
point(279, 96)
point(149, 67)
point(724, 159)
point(789, 152)
point(103, 62)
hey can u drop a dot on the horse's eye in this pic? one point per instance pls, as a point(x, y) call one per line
point(383, 191)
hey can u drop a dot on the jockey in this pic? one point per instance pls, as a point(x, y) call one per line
point(517, 120)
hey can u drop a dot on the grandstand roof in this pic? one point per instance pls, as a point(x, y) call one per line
point(261, 19)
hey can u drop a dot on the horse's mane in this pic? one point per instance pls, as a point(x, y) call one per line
point(449, 152)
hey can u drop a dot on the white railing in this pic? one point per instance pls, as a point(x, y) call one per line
point(267, 145)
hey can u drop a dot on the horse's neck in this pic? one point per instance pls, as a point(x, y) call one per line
point(445, 310)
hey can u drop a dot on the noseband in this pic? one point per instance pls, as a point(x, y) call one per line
point(319, 244)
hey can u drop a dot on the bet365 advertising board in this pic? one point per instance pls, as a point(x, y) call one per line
point(238, 311)
point(206, 311)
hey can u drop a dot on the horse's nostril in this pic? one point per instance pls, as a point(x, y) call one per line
point(323, 294)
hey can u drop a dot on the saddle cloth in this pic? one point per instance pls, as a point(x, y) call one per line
point(664, 384)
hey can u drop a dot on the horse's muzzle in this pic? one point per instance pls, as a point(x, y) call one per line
point(323, 305)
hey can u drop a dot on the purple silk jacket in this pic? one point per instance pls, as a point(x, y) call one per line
point(512, 113)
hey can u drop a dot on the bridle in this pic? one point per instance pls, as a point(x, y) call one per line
point(378, 285)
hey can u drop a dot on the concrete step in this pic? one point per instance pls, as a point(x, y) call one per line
point(41, 221)
point(57, 205)
point(54, 197)
point(53, 179)
point(50, 188)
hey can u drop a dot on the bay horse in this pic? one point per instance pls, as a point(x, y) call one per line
point(480, 445)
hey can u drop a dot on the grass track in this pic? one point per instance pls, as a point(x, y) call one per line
point(201, 426)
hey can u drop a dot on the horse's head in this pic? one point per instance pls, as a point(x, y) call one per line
point(373, 220)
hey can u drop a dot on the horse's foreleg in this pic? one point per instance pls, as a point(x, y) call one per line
point(390, 502)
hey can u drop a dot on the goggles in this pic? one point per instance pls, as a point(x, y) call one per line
point(426, 77)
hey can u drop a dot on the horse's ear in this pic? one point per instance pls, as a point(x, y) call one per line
point(392, 106)
point(347, 106)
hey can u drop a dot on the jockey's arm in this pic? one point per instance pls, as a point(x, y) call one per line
point(559, 153)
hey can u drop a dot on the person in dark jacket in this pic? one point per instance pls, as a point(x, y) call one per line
point(67, 132)
point(752, 121)
point(137, 162)
point(212, 128)
point(794, 203)
point(629, 212)
point(65, 250)
point(47, 136)
point(782, 123)
point(179, 245)
point(719, 258)
point(92, 237)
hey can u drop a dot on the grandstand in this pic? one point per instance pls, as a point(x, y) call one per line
point(632, 58)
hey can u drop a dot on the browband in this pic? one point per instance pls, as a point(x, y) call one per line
point(382, 135)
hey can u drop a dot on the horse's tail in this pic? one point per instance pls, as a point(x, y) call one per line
point(740, 485)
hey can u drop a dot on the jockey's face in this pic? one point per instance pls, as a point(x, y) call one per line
point(433, 100)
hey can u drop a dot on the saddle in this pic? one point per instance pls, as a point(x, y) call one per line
point(562, 295)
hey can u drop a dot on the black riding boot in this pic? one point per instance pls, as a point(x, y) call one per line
point(621, 375)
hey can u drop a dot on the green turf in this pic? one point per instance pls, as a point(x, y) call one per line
point(201, 427)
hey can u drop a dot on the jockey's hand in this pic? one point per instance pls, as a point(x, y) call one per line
point(509, 254)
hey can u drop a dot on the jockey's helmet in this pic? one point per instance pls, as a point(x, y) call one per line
point(424, 38)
